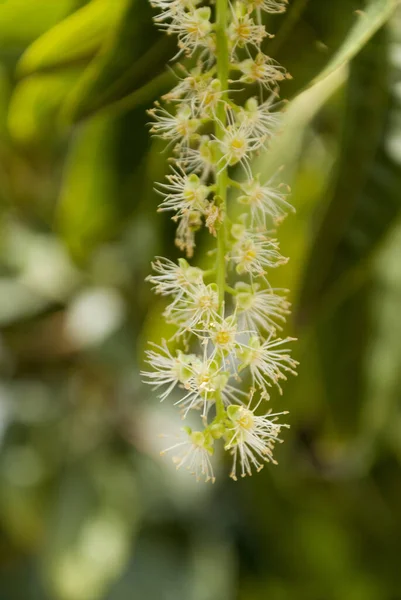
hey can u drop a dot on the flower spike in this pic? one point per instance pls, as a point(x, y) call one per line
point(226, 318)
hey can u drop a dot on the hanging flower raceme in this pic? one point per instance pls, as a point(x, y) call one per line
point(227, 317)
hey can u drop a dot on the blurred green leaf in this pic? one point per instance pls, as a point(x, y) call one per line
point(21, 509)
point(285, 149)
point(21, 21)
point(87, 210)
point(369, 20)
point(365, 205)
point(342, 340)
point(383, 352)
point(133, 54)
point(76, 38)
point(366, 198)
point(330, 34)
point(143, 97)
point(35, 104)
point(5, 93)
point(96, 192)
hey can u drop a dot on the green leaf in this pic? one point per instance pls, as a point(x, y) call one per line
point(87, 210)
point(342, 340)
point(383, 365)
point(285, 148)
point(366, 197)
point(340, 280)
point(21, 21)
point(35, 104)
point(5, 93)
point(76, 38)
point(368, 22)
point(133, 55)
point(144, 96)
point(330, 35)
point(97, 193)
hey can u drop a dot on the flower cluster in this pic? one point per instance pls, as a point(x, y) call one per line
point(227, 317)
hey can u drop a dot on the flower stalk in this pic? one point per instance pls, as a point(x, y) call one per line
point(226, 317)
point(223, 64)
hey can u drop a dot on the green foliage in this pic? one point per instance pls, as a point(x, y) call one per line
point(87, 510)
point(132, 53)
point(22, 21)
point(77, 38)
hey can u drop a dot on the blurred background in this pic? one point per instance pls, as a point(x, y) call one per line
point(88, 509)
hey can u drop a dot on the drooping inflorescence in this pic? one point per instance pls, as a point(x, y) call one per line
point(227, 317)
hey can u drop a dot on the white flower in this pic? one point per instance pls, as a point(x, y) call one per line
point(202, 159)
point(253, 252)
point(193, 28)
point(174, 279)
point(263, 70)
point(228, 341)
point(206, 380)
point(169, 9)
point(201, 91)
point(260, 309)
point(258, 117)
point(264, 201)
point(269, 6)
point(194, 453)
point(178, 128)
point(268, 362)
point(236, 146)
point(186, 85)
point(198, 307)
point(208, 97)
point(168, 370)
point(223, 334)
point(243, 31)
point(251, 439)
point(183, 193)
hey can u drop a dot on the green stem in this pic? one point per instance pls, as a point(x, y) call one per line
point(231, 290)
point(223, 66)
point(236, 184)
point(220, 410)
